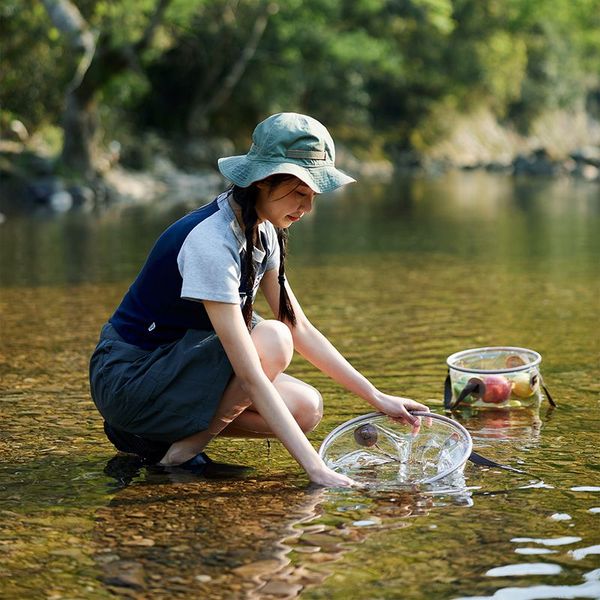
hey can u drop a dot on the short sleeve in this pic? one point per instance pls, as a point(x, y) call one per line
point(209, 265)
point(273, 249)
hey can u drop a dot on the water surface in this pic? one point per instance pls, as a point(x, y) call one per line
point(398, 277)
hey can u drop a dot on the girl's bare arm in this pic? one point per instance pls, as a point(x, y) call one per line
point(319, 351)
point(230, 327)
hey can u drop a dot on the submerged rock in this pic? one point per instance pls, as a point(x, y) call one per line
point(124, 573)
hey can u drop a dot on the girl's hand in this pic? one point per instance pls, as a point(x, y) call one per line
point(328, 478)
point(397, 408)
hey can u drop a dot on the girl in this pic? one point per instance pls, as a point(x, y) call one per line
point(183, 359)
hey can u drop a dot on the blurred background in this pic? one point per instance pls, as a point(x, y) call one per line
point(164, 87)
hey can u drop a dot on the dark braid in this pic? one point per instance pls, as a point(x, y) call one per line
point(246, 197)
point(286, 311)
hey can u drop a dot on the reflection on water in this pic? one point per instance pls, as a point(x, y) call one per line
point(399, 277)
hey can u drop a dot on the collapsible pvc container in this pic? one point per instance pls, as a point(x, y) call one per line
point(376, 450)
point(496, 377)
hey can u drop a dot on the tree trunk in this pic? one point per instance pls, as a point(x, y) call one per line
point(80, 124)
point(79, 118)
point(97, 65)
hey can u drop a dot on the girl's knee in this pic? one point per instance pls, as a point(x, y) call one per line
point(309, 411)
point(275, 346)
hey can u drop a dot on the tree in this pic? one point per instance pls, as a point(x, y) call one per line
point(98, 62)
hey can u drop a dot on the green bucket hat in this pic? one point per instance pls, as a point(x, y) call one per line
point(288, 143)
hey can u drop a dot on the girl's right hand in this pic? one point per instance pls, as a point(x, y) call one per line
point(329, 478)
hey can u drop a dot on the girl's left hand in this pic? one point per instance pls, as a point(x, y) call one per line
point(397, 408)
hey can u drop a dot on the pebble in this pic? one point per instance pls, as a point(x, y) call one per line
point(307, 549)
point(322, 557)
point(107, 558)
point(280, 588)
point(257, 568)
point(124, 573)
point(560, 517)
point(365, 523)
point(139, 542)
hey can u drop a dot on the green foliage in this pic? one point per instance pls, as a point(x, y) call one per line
point(378, 72)
point(35, 66)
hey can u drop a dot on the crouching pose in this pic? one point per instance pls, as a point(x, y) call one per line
point(184, 359)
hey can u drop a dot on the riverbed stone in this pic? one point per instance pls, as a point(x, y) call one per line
point(281, 589)
point(257, 568)
point(124, 573)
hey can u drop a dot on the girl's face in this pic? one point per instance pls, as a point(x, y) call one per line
point(283, 203)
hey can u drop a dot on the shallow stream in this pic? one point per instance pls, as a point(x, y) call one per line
point(398, 277)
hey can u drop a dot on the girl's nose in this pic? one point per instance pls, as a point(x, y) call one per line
point(307, 203)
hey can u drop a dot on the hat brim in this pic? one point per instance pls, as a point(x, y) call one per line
point(243, 171)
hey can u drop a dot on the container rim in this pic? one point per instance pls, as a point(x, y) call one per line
point(537, 359)
point(416, 413)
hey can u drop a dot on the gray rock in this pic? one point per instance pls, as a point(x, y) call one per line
point(124, 573)
point(589, 155)
point(537, 163)
point(41, 189)
point(61, 201)
point(83, 196)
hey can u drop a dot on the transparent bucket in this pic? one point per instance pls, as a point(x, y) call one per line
point(376, 450)
point(495, 377)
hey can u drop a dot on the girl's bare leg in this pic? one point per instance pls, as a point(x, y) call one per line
point(274, 344)
point(303, 400)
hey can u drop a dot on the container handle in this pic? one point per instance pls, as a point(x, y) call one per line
point(551, 401)
point(471, 386)
point(477, 459)
point(447, 391)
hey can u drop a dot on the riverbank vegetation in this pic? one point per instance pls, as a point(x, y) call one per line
point(89, 83)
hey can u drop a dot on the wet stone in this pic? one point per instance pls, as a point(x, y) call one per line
point(322, 557)
point(107, 558)
point(281, 588)
point(257, 568)
point(307, 549)
point(124, 573)
point(139, 542)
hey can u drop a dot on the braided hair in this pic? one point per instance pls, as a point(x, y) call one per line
point(246, 198)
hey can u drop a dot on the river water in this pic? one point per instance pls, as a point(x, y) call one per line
point(399, 277)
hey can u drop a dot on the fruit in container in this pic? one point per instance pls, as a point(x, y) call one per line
point(491, 389)
point(514, 360)
point(525, 385)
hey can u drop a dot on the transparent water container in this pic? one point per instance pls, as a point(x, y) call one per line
point(376, 450)
point(495, 377)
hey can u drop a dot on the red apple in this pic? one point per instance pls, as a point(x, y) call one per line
point(497, 389)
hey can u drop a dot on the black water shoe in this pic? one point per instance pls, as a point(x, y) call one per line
point(123, 468)
point(202, 465)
